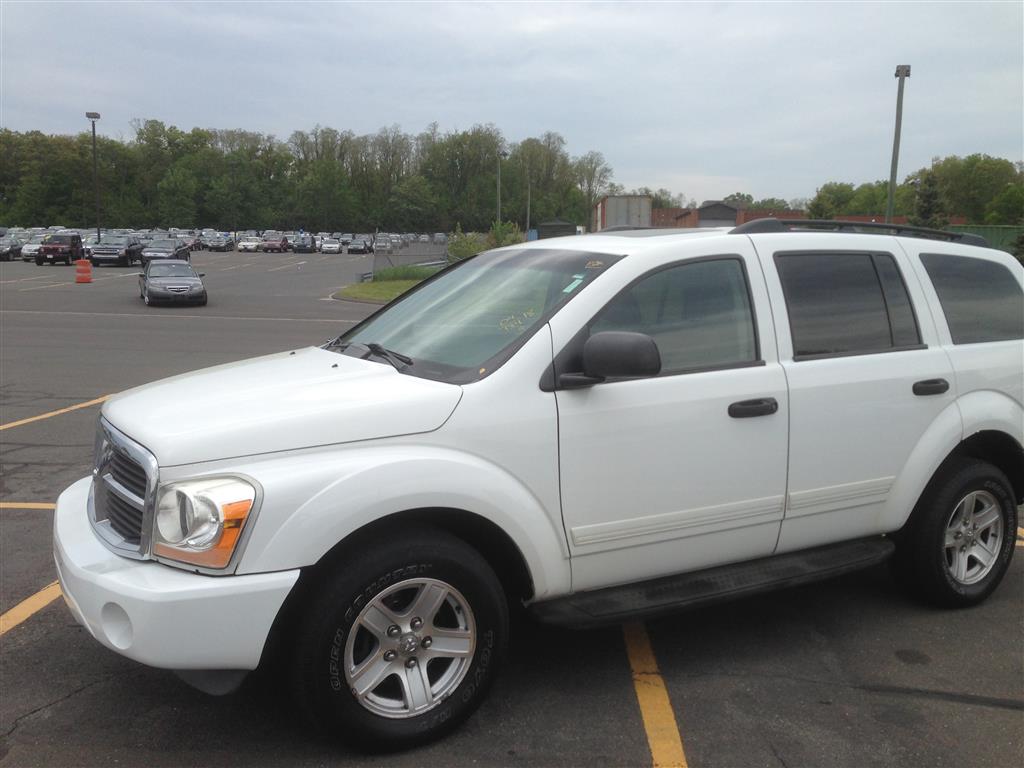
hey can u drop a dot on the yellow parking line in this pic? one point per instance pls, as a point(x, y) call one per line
point(651, 694)
point(25, 505)
point(29, 606)
point(51, 414)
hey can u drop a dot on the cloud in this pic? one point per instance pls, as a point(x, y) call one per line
point(703, 98)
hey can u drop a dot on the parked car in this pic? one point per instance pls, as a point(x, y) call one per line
point(61, 246)
point(171, 281)
point(123, 249)
point(382, 245)
point(331, 245)
point(165, 248)
point(220, 243)
point(303, 244)
point(276, 243)
point(598, 427)
point(359, 245)
point(424, 238)
point(31, 248)
point(345, 238)
point(440, 238)
point(249, 243)
point(10, 248)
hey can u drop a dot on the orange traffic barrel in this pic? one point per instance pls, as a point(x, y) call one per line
point(83, 271)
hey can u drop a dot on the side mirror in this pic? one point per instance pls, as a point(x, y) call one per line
point(615, 355)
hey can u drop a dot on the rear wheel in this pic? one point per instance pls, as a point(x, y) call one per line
point(400, 644)
point(960, 538)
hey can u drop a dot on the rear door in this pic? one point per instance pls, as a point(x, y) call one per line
point(867, 377)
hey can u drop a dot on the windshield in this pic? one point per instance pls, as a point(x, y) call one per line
point(171, 270)
point(58, 240)
point(113, 240)
point(463, 324)
point(163, 244)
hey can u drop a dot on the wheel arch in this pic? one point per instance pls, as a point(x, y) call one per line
point(982, 425)
point(494, 544)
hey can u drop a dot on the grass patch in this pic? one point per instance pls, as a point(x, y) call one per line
point(380, 292)
point(411, 272)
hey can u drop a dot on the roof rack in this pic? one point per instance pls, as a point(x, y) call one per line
point(759, 226)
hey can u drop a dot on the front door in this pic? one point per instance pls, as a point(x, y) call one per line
point(657, 477)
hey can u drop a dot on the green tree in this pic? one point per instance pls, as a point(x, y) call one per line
point(177, 197)
point(739, 199)
point(830, 200)
point(928, 211)
point(770, 204)
point(1007, 207)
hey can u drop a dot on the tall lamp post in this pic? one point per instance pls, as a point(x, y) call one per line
point(902, 73)
point(93, 117)
point(502, 154)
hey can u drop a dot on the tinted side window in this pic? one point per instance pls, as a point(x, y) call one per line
point(981, 299)
point(845, 303)
point(698, 313)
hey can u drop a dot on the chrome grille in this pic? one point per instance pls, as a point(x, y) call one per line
point(123, 486)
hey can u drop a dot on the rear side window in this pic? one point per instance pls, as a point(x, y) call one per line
point(981, 299)
point(846, 304)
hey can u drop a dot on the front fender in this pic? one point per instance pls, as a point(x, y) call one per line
point(314, 501)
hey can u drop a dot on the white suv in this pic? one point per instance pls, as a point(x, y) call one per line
point(602, 426)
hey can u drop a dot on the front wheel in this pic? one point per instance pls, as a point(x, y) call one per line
point(399, 645)
point(960, 538)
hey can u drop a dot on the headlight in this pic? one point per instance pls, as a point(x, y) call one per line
point(200, 521)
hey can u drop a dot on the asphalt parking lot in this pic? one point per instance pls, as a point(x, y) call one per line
point(849, 672)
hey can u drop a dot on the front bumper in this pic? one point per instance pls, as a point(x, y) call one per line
point(156, 614)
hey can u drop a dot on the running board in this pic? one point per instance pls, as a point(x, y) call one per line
point(727, 582)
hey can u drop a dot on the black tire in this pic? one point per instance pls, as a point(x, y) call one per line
point(317, 673)
point(923, 560)
point(39, 262)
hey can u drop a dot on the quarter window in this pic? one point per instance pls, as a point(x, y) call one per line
point(981, 299)
point(698, 314)
point(846, 303)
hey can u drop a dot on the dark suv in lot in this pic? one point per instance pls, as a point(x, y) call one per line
point(122, 249)
point(63, 246)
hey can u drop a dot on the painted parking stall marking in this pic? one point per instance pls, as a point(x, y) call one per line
point(651, 694)
point(28, 607)
point(51, 414)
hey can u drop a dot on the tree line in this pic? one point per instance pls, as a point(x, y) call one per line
point(325, 179)
point(981, 188)
point(322, 179)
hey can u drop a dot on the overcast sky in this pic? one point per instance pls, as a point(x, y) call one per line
point(704, 99)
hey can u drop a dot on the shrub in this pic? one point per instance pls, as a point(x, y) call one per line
point(409, 272)
point(462, 245)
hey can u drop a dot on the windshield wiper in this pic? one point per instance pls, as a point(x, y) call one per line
point(395, 358)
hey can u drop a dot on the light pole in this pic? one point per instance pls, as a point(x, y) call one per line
point(93, 117)
point(902, 73)
point(501, 155)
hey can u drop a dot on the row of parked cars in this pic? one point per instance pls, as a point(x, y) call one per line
point(125, 246)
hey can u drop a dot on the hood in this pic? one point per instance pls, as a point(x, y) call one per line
point(175, 281)
point(280, 402)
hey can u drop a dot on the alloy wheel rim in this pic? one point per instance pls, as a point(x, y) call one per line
point(973, 537)
point(410, 648)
